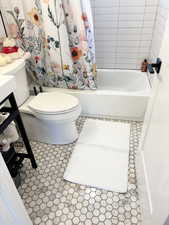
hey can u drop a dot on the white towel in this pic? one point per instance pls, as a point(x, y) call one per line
point(9, 135)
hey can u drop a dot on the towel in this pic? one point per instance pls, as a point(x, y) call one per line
point(10, 134)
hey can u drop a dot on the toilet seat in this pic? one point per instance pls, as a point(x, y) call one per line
point(51, 122)
point(53, 103)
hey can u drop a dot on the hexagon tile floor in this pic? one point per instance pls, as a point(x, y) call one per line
point(51, 200)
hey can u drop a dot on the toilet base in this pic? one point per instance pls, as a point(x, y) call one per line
point(50, 133)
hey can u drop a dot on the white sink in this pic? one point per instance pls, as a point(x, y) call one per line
point(7, 86)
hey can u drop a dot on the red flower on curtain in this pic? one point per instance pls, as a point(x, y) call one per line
point(37, 58)
point(85, 19)
point(84, 16)
point(76, 53)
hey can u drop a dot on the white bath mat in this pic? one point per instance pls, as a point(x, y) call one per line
point(100, 157)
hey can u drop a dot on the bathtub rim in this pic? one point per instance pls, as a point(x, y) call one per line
point(142, 93)
point(99, 92)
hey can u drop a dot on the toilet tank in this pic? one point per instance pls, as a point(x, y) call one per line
point(17, 69)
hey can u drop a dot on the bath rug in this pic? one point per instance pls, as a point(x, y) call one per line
point(100, 158)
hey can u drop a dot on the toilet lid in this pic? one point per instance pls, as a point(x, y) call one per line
point(53, 103)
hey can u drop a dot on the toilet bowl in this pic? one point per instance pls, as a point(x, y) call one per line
point(50, 117)
point(47, 117)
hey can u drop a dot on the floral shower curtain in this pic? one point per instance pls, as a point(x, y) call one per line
point(59, 35)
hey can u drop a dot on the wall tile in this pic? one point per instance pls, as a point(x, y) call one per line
point(123, 31)
point(107, 3)
point(106, 10)
point(162, 15)
point(131, 17)
point(130, 24)
point(132, 3)
point(105, 37)
point(131, 10)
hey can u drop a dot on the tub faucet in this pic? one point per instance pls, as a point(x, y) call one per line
point(156, 65)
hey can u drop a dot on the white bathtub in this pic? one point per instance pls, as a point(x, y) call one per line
point(121, 94)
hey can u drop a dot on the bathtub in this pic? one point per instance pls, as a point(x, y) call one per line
point(121, 94)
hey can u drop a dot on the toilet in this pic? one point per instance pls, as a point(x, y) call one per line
point(49, 117)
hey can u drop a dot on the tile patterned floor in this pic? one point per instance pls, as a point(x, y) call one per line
point(51, 200)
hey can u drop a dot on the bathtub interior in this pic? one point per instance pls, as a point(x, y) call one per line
point(122, 80)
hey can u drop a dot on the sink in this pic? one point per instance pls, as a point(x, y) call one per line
point(7, 86)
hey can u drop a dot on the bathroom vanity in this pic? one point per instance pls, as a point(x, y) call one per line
point(12, 207)
point(13, 160)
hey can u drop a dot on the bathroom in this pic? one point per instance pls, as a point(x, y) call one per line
point(124, 107)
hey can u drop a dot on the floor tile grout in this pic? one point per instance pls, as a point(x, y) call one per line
point(51, 200)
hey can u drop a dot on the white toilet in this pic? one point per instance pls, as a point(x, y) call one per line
point(48, 117)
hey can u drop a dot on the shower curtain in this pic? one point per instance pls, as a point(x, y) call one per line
point(59, 35)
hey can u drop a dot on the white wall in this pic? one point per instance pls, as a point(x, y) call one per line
point(164, 3)
point(123, 31)
point(162, 16)
point(155, 146)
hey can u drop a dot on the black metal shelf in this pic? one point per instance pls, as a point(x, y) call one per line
point(12, 157)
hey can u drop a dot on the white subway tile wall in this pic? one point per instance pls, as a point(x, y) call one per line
point(162, 15)
point(123, 31)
